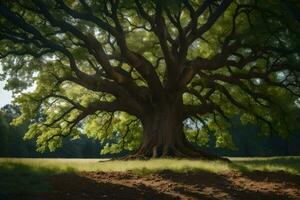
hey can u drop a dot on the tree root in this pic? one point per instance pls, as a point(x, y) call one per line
point(181, 153)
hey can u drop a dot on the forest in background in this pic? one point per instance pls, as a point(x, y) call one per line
point(247, 140)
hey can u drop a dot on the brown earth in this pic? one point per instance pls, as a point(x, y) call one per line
point(170, 185)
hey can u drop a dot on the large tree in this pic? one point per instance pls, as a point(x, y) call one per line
point(151, 76)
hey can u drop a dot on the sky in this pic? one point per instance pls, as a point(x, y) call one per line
point(5, 96)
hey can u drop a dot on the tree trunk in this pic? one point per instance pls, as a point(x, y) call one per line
point(162, 131)
point(163, 134)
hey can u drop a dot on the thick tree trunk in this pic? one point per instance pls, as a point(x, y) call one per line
point(163, 134)
point(162, 131)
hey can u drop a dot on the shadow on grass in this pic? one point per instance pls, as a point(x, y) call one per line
point(19, 179)
point(23, 182)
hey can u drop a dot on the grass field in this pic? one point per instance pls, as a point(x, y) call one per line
point(20, 175)
point(287, 164)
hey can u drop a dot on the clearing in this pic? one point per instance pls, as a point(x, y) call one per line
point(91, 179)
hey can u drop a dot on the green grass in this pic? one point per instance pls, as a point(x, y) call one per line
point(139, 166)
point(19, 176)
point(287, 164)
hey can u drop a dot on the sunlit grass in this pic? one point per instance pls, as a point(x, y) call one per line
point(287, 164)
point(23, 175)
point(139, 166)
point(156, 165)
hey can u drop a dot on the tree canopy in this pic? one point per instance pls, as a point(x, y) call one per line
point(151, 76)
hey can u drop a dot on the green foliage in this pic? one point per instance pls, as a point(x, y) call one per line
point(4, 131)
point(58, 89)
point(13, 145)
point(202, 132)
point(116, 133)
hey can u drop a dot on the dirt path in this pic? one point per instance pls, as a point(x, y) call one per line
point(171, 185)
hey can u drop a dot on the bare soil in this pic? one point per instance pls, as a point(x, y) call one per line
point(171, 185)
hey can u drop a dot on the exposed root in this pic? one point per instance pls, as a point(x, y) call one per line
point(171, 152)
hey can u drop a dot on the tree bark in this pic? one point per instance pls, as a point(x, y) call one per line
point(163, 134)
point(162, 130)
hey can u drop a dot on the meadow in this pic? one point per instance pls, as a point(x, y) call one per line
point(31, 178)
point(289, 164)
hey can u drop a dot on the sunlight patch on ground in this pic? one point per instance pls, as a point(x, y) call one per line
point(142, 166)
point(287, 164)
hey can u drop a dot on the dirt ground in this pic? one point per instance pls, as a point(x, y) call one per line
point(171, 185)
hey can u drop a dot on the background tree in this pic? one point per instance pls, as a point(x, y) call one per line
point(141, 72)
point(13, 145)
point(3, 135)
